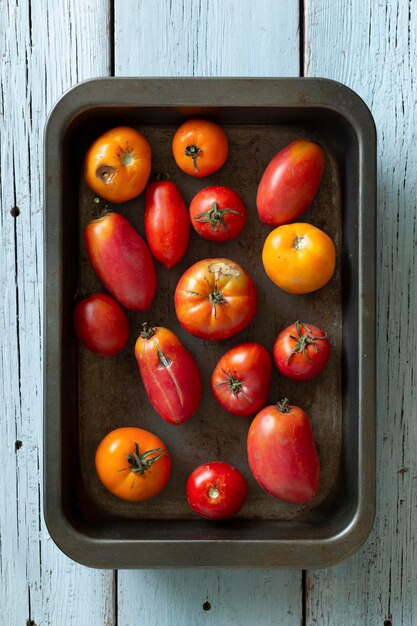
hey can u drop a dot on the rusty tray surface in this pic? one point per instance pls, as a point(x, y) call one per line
point(87, 396)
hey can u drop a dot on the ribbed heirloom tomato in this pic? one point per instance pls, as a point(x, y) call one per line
point(133, 463)
point(217, 213)
point(118, 164)
point(101, 324)
point(216, 490)
point(200, 147)
point(301, 351)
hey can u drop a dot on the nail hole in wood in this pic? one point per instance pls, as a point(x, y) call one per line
point(15, 211)
point(387, 622)
point(30, 622)
point(18, 444)
point(206, 606)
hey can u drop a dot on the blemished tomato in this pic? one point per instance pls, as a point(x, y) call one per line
point(200, 147)
point(118, 164)
point(299, 257)
point(122, 261)
point(169, 374)
point(218, 213)
point(215, 299)
point(216, 490)
point(101, 324)
point(133, 463)
point(167, 223)
point(242, 379)
point(282, 453)
point(301, 351)
point(290, 182)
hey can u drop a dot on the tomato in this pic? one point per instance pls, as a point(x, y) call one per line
point(282, 454)
point(101, 324)
point(290, 182)
point(122, 260)
point(299, 258)
point(133, 464)
point(200, 147)
point(242, 379)
point(218, 213)
point(167, 223)
point(169, 374)
point(118, 164)
point(301, 351)
point(215, 299)
point(216, 490)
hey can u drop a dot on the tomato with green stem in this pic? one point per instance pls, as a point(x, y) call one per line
point(218, 213)
point(301, 351)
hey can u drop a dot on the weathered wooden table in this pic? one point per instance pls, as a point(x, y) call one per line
point(48, 46)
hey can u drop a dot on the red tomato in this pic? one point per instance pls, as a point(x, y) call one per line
point(122, 260)
point(282, 454)
point(101, 324)
point(133, 464)
point(169, 373)
point(167, 223)
point(216, 490)
point(242, 379)
point(200, 147)
point(218, 213)
point(301, 351)
point(290, 182)
point(215, 299)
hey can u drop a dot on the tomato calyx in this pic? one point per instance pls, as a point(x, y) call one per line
point(140, 462)
point(99, 210)
point(234, 385)
point(147, 331)
point(299, 243)
point(216, 297)
point(284, 405)
point(214, 216)
point(127, 157)
point(193, 151)
point(303, 341)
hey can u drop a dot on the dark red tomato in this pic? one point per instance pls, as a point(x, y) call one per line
point(122, 260)
point(169, 374)
point(216, 490)
point(101, 324)
point(167, 223)
point(282, 454)
point(218, 213)
point(242, 379)
point(290, 182)
point(301, 351)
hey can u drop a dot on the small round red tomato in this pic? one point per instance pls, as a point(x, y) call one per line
point(133, 463)
point(217, 213)
point(215, 299)
point(200, 147)
point(101, 324)
point(167, 223)
point(242, 379)
point(301, 351)
point(118, 164)
point(216, 490)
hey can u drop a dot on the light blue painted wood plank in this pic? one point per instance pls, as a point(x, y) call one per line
point(372, 47)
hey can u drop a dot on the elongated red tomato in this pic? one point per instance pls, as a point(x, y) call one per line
point(101, 324)
point(290, 182)
point(167, 222)
point(242, 379)
point(282, 454)
point(169, 374)
point(122, 260)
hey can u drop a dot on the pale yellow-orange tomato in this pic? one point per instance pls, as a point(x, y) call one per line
point(299, 257)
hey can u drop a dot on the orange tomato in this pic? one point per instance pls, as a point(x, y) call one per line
point(200, 147)
point(299, 258)
point(118, 164)
point(133, 464)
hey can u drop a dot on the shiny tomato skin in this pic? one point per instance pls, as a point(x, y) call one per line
point(122, 261)
point(301, 351)
point(217, 213)
point(241, 380)
point(117, 165)
point(169, 374)
point(290, 182)
point(282, 454)
point(216, 490)
point(215, 299)
point(167, 223)
point(208, 144)
point(299, 258)
point(115, 470)
point(101, 324)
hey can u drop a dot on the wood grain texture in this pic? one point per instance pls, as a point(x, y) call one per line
point(45, 48)
point(372, 47)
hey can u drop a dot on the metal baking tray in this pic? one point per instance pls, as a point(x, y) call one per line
point(86, 396)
